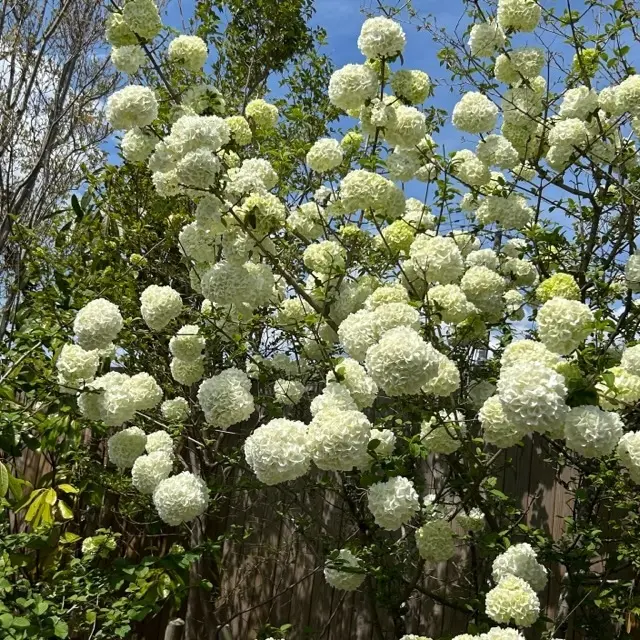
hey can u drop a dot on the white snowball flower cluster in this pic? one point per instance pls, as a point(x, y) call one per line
point(187, 372)
point(396, 314)
point(450, 303)
point(393, 502)
point(522, 273)
point(328, 256)
point(592, 432)
point(498, 633)
point(387, 442)
point(418, 215)
point(528, 351)
point(381, 37)
point(483, 288)
point(352, 85)
point(278, 451)
point(401, 362)
point(229, 283)
point(125, 446)
point(150, 470)
point(532, 396)
point(525, 63)
point(159, 306)
point(324, 155)
point(76, 366)
point(142, 17)
point(240, 129)
point(137, 145)
point(513, 599)
point(159, 441)
point(338, 439)
point(357, 332)
point(133, 106)
point(628, 452)
point(288, 392)
point(520, 560)
point(436, 258)
point(128, 59)
point(496, 151)
point(474, 113)
point(333, 396)
point(470, 169)
point(118, 33)
point(519, 15)
point(411, 85)
point(630, 361)
point(632, 272)
point(511, 212)
point(197, 243)
point(473, 521)
point(189, 52)
point(226, 398)
point(627, 95)
point(565, 137)
point(97, 324)
point(486, 38)
point(442, 434)
point(145, 391)
point(361, 189)
point(579, 102)
point(408, 127)
point(352, 375)
point(263, 115)
point(626, 389)
point(385, 294)
point(447, 381)
point(435, 541)
point(338, 578)
point(187, 344)
point(181, 498)
point(563, 324)
point(483, 258)
point(496, 429)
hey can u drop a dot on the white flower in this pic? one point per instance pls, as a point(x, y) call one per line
point(628, 452)
point(563, 324)
point(591, 431)
point(418, 215)
point(133, 106)
point(393, 502)
point(145, 391)
point(450, 303)
point(528, 351)
point(396, 314)
point(434, 541)
point(520, 560)
point(125, 446)
point(511, 212)
point(483, 258)
point(159, 305)
point(485, 39)
point(150, 470)
point(568, 133)
point(198, 168)
point(137, 145)
point(97, 324)
point(327, 256)
point(632, 272)
point(333, 396)
point(408, 127)
point(226, 398)
point(128, 59)
point(262, 114)
point(627, 95)
point(198, 243)
point(519, 15)
point(626, 391)
point(187, 372)
point(519, 64)
point(387, 442)
point(188, 51)
point(187, 344)
point(114, 403)
point(159, 441)
point(193, 133)
point(522, 272)
point(338, 439)
point(578, 102)
point(351, 375)
point(338, 578)
point(324, 155)
point(443, 434)
point(497, 633)
point(496, 151)
point(631, 359)
point(513, 598)
point(473, 521)
point(470, 169)
point(278, 451)
point(401, 362)
point(142, 17)
point(381, 37)
point(288, 392)
point(118, 33)
point(532, 396)
point(352, 85)
point(181, 498)
point(474, 113)
point(76, 365)
point(240, 129)
point(307, 220)
point(496, 429)
point(357, 332)
point(447, 381)
point(361, 189)
point(436, 258)
point(411, 85)
point(480, 392)
point(483, 288)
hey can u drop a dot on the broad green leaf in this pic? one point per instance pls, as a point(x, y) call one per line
point(4, 480)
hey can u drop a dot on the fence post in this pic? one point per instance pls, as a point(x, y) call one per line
point(174, 630)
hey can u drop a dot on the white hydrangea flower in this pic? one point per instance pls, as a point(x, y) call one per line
point(497, 633)
point(187, 372)
point(226, 398)
point(578, 102)
point(483, 288)
point(513, 598)
point(443, 435)
point(627, 389)
point(418, 215)
point(150, 470)
point(408, 128)
point(532, 396)
point(524, 63)
point(159, 305)
point(357, 332)
point(563, 324)
point(521, 272)
point(628, 452)
point(474, 113)
point(187, 344)
point(159, 441)
point(381, 37)
point(189, 52)
point(396, 314)
point(496, 151)
point(450, 303)
point(520, 560)
point(519, 15)
point(393, 502)
point(632, 272)
point(513, 302)
point(128, 59)
point(338, 578)
point(511, 212)
point(470, 169)
point(133, 106)
point(529, 351)
point(288, 392)
point(77, 366)
point(240, 129)
point(627, 95)
point(118, 33)
point(592, 432)
point(328, 256)
point(198, 168)
point(435, 541)
point(193, 132)
point(137, 145)
point(325, 155)
point(361, 189)
point(401, 362)
point(333, 396)
point(352, 85)
point(386, 294)
point(447, 381)
point(145, 391)
point(473, 521)
point(436, 258)
point(514, 247)
point(483, 258)
point(496, 429)
point(352, 375)
point(114, 402)
point(262, 114)
point(631, 359)
point(142, 17)
point(387, 442)
point(568, 133)
point(278, 451)
point(485, 39)
point(181, 498)
point(411, 85)
point(97, 324)
point(198, 243)
point(125, 446)
point(413, 636)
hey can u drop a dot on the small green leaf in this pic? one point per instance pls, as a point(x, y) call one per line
point(4, 480)
point(60, 629)
point(68, 488)
point(20, 623)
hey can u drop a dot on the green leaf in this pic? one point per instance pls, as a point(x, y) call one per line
point(68, 488)
point(4, 480)
point(75, 205)
point(60, 629)
point(6, 619)
point(20, 623)
point(65, 510)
